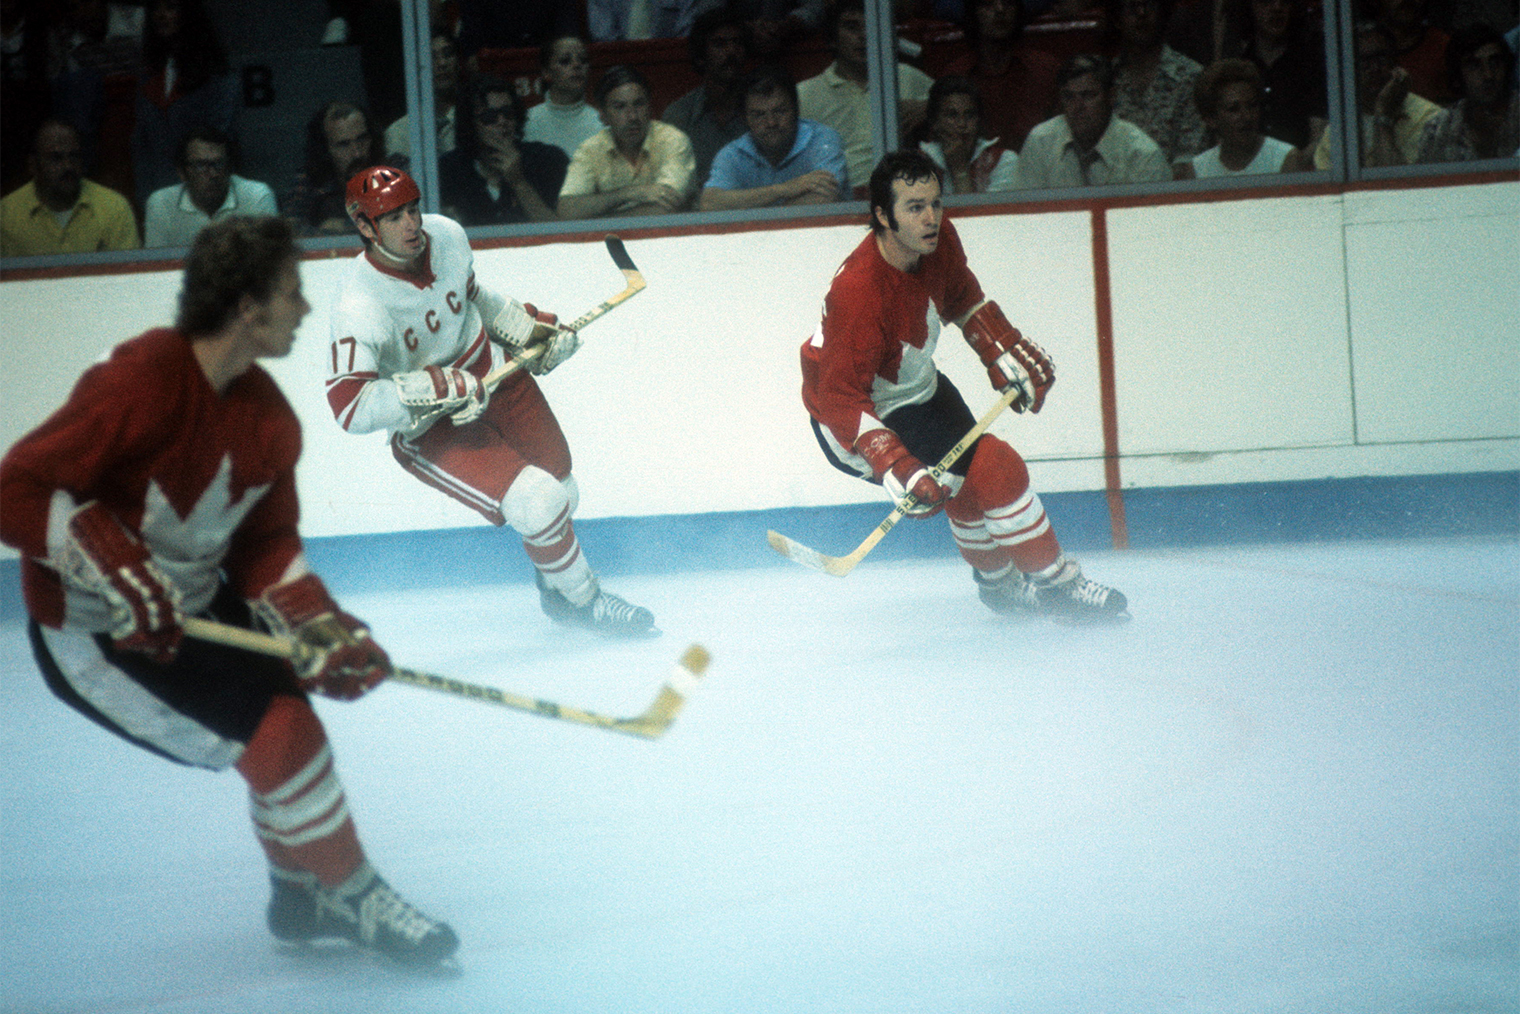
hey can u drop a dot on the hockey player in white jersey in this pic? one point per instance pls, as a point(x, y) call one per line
point(413, 335)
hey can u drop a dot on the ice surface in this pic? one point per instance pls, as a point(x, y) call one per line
point(1289, 785)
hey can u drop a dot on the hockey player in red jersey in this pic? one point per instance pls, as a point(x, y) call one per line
point(165, 487)
point(414, 334)
point(881, 409)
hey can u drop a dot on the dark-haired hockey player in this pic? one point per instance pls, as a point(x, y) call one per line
point(881, 409)
point(165, 487)
point(414, 334)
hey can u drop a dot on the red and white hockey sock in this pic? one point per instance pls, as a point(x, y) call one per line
point(997, 520)
point(299, 810)
point(538, 507)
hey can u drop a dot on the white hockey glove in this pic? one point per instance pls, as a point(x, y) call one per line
point(443, 389)
point(521, 325)
point(1011, 359)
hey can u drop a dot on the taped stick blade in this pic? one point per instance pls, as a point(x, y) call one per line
point(809, 557)
point(619, 254)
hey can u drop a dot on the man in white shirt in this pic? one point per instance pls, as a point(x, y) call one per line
point(840, 96)
point(208, 192)
point(1087, 145)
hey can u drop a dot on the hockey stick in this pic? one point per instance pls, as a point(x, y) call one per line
point(651, 724)
point(839, 566)
point(514, 363)
point(635, 286)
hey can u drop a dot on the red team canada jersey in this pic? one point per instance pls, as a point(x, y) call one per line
point(207, 480)
point(873, 351)
point(387, 322)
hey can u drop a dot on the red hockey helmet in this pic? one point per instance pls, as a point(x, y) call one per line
point(379, 189)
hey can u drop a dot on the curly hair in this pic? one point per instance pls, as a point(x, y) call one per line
point(236, 257)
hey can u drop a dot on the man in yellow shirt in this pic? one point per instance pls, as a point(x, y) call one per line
point(60, 211)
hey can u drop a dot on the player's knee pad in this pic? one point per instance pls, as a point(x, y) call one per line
point(997, 476)
point(537, 502)
point(572, 492)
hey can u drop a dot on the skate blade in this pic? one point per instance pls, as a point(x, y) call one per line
point(1091, 619)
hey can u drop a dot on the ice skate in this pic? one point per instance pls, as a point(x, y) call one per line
point(606, 613)
point(1068, 595)
point(1011, 593)
point(363, 909)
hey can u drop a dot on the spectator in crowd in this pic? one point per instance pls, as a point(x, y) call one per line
point(840, 96)
point(971, 163)
point(610, 20)
point(1153, 83)
point(61, 212)
point(184, 82)
point(1419, 47)
point(1087, 145)
point(1017, 83)
point(564, 118)
point(1485, 121)
point(339, 142)
point(1392, 116)
point(1229, 97)
point(209, 191)
point(782, 159)
point(24, 90)
point(398, 136)
point(712, 114)
point(634, 165)
point(495, 177)
point(91, 42)
point(774, 25)
point(492, 24)
point(1286, 46)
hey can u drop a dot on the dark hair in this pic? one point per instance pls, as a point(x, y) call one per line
point(206, 134)
point(1087, 63)
point(770, 80)
point(911, 165)
point(51, 122)
point(945, 87)
point(973, 30)
point(1466, 41)
point(480, 86)
point(319, 167)
point(546, 51)
point(196, 50)
point(235, 257)
point(616, 77)
point(1220, 73)
point(708, 22)
point(835, 12)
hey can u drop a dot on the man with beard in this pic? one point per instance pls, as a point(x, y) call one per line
point(339, 142)
point(209, 192)
point(782, 160)
point(1087, 145)
point(61, 212)
point(634, 165)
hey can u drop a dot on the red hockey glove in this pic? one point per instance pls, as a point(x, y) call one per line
point(334, 653)
point(901, 473)
point(1011, 359)
point(559, 344)
point(443, 389)
point(104, 556)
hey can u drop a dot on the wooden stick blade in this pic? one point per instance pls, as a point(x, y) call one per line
point(795, 551)
point(659, 716)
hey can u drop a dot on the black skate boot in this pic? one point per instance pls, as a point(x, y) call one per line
point(1011, 593)
point(292, 911)
point(1067, 595)
point(606, 613)
point(366, 910)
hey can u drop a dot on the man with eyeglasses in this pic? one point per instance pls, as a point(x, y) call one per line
point(208, 191)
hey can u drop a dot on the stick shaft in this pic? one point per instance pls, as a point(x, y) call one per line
point(839, 566)
point(650, 725)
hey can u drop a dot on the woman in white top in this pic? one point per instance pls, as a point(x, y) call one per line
point(1229, 94)
point(564, 118)
point(952, 128)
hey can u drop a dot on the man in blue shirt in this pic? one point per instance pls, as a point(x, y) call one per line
point(781, 160)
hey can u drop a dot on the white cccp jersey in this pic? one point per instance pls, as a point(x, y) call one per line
point(386, 322)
